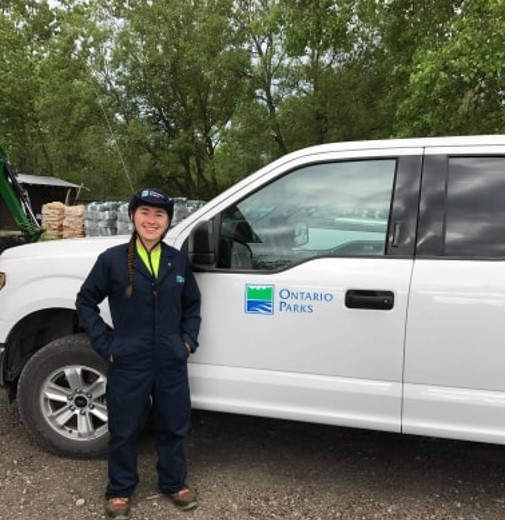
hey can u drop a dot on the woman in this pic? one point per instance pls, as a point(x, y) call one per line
point(155, 307)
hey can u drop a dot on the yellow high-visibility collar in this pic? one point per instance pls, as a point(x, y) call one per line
point(151, 260)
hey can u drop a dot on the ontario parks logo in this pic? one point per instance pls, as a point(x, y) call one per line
point(259, 299)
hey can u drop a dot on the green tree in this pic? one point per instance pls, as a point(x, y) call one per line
point(192, 95)
point(457, 86)
point(181, 69)
point(52, 121)
point(25, 27)
point(70, 107)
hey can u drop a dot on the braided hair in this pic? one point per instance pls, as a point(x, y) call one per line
point(132, 244)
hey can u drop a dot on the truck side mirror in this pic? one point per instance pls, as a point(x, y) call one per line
point(202, 245)
point(301, 234)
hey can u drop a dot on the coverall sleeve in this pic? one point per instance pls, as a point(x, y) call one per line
point(93, 291)
point(191, 304)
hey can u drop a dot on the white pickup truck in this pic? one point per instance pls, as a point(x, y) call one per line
point(359, 284)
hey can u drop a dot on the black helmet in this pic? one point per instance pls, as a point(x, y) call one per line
point(151, 197)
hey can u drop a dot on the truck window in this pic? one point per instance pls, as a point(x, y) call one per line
point(326, 209)
point(475, 208)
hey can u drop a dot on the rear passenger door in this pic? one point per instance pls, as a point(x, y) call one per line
point(455, 345)
point(304, 317)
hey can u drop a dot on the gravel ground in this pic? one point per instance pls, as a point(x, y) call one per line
point(248, 468)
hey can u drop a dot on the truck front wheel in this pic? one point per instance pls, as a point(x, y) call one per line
point(61, 398)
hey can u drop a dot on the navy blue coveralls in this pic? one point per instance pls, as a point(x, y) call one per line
point(149, 358)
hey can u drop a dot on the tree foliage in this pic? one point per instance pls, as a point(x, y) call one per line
point(192, 95)
point(457, 86)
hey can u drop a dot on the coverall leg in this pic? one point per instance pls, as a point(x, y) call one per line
point(172, 411)
point(128, 401)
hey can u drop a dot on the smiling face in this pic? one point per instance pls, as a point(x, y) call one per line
point(150, 223)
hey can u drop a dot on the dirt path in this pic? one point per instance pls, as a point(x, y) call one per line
point(245, 468)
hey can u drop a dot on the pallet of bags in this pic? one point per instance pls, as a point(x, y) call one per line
point(107, 224)
point(73, 221)
point(124, 224)
point(52, 219)
point(100, 218)
point(91, 219)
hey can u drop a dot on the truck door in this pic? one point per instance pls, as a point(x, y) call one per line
point(304, 314)
point(455, 355)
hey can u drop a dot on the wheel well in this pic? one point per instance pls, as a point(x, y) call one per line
point(32, 333)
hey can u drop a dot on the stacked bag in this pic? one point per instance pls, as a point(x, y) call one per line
point(124, 224)
point(100, 218)
point(73, 221)
point(183, 207)
point(61, 221)
point(53, 214)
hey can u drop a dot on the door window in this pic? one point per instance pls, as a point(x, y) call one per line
point(327, 209)
point(475, 210)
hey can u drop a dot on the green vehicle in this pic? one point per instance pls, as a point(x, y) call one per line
point(19, 206)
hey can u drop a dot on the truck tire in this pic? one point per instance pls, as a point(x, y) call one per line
point(61, 398)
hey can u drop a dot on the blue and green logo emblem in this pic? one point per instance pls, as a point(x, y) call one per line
point(259, 299)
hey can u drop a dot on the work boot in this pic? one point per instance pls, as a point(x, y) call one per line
point(184, 499)
point(118, 508)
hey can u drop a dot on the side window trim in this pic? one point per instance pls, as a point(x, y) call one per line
point(430, 231)
point(405, 203)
